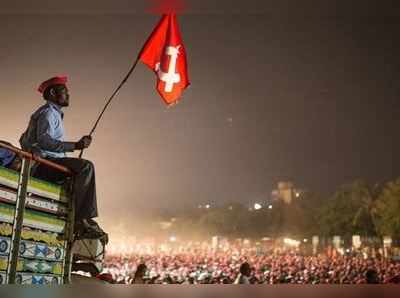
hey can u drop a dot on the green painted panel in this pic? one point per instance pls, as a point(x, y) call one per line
point(34, 219)
point(10, 178)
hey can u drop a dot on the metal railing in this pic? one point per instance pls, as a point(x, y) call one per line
point(26, 155)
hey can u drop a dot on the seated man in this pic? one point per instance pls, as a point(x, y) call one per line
point(45, 137)
point(9, 159)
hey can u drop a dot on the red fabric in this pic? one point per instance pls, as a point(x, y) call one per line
point(394, 280)
point(165, 54)
point(106, 277)
point(59, 80)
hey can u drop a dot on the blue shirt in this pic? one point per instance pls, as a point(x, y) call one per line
point(45, 134)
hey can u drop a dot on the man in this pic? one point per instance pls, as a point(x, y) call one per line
point(371, 276)
point(138, 278)
point(45, 137)
point(243, 277)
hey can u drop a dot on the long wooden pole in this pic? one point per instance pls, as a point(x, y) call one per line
point(111, 98)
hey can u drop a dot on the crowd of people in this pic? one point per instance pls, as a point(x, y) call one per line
point(249, 266)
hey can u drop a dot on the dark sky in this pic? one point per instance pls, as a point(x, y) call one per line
point(312, 97)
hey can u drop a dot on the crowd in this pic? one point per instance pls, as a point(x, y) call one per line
point(249, 266)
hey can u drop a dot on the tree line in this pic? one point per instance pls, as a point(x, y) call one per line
point(354, 209)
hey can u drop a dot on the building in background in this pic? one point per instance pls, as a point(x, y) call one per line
point(286, 192)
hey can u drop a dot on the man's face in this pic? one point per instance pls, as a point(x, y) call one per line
point(61, 96)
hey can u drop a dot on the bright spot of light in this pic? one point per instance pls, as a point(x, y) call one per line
point(257, 206)
point(208, 206)
point(270, 207)
point(172, 238)
point(291, 242)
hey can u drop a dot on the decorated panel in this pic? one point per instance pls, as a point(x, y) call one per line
point(30, 249)
point(38, 187)
point(33, 219)
point(37, 279)
point(36, 266)
point(33, 202)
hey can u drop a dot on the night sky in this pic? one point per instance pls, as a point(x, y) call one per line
point(308, 95)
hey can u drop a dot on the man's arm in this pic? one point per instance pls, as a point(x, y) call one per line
point(46, 125)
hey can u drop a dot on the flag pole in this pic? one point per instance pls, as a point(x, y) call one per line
point(111, 98)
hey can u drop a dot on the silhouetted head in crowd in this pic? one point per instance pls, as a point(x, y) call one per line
point(371, 276)
point(139, 274)
point(245, 269)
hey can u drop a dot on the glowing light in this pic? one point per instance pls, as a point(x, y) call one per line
point(270, 207)
point(305, 240)
point(172, 238)
point(165, 225)
point(208, 206)
point(257, 206)
point(291, 242)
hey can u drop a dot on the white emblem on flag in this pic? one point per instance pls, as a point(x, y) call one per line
point(171, 77)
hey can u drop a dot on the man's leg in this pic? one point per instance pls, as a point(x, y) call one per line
point(48, 174)
point(84, 191)
point(84, 186)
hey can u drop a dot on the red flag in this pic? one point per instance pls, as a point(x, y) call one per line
point(165, 54)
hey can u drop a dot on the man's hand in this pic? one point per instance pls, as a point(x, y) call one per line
point(83, 143)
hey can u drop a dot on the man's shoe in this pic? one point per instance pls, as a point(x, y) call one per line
point(91, 230)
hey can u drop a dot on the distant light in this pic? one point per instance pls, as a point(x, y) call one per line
point(164, 225)
point(291, 242)
point(270, 207)
point(208, 206)
point(348, 250)
point(297, 194)
point(305, 240)
point(172, 238)
point(257, 206)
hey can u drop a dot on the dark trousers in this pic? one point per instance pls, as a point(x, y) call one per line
point(84, 188)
